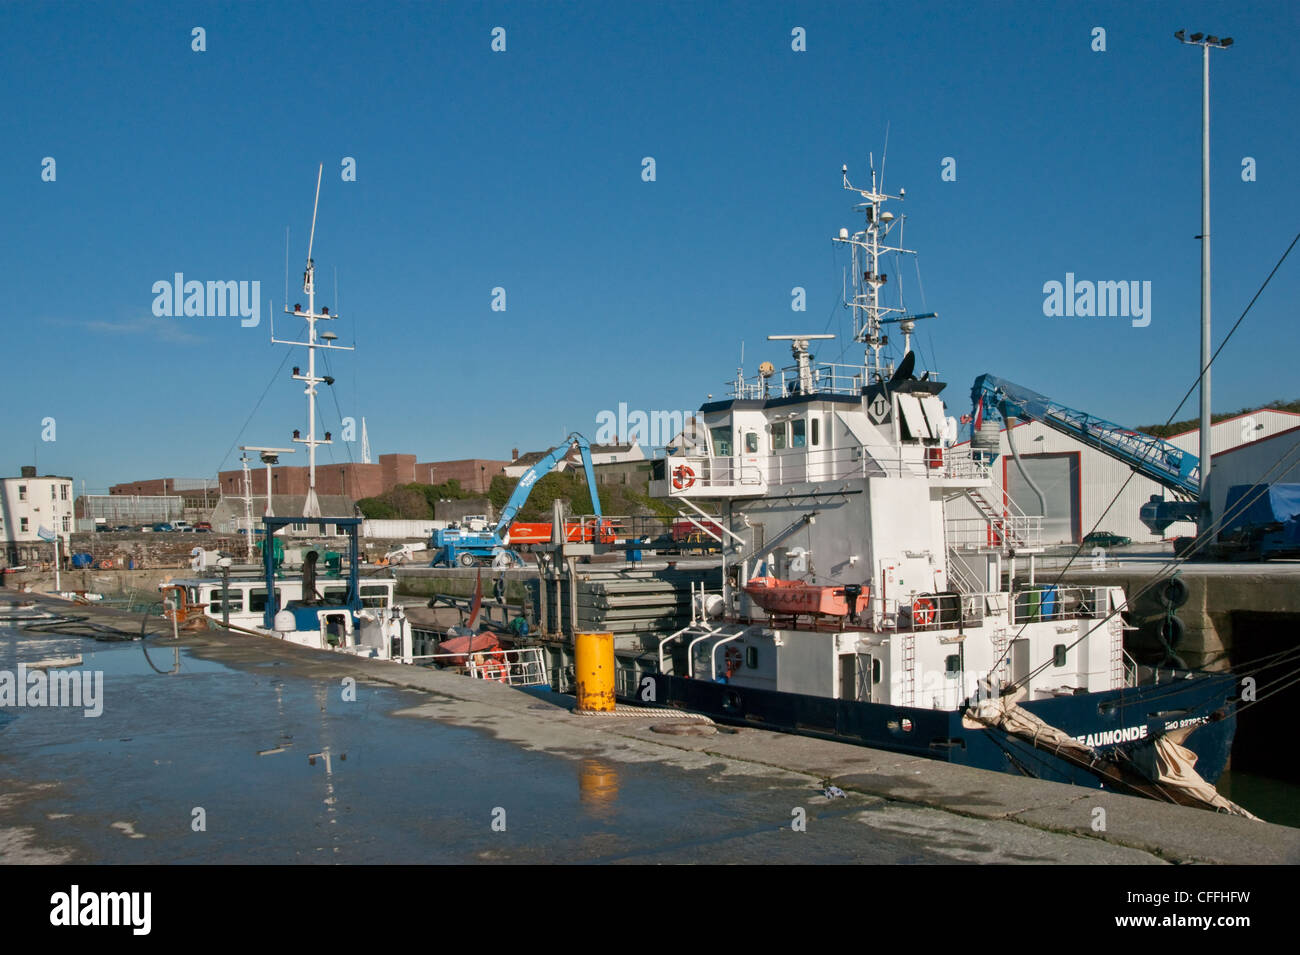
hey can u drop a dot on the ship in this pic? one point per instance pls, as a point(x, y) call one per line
point(860, 604)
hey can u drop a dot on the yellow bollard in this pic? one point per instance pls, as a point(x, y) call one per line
point(594, 671)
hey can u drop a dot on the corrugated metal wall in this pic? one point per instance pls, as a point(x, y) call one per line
point(400, 529)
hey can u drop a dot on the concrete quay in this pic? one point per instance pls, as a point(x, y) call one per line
point(429, 766)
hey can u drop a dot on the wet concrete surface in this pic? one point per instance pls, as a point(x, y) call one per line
point(259, 735)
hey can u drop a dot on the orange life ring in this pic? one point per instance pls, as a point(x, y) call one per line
point(499, 658)
point(922, 612)
point(105, 565)
point(683, 477)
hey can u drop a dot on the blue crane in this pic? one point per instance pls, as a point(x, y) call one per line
point(1166, 464)
point(455, 545)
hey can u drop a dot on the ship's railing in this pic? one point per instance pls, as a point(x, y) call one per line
point(933, 611)
point(708, 472)
point(873, 461)
point(811, 464)
point(981, 533)
point(1052, 602)
point(525, 666)
point(833, 378)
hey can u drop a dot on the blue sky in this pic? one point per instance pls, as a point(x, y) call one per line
point(522, 170)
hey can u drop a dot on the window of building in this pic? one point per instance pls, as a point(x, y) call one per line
point(23, 525)
point(63, 492)
point(798, 433)
point(22, 492)
point(67, 523)
point(54, 495)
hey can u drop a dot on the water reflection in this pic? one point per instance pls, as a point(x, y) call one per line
point(598, 788)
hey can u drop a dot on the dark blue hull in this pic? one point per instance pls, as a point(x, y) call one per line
point(1103, 720)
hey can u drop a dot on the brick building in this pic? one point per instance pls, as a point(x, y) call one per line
point(357, 481)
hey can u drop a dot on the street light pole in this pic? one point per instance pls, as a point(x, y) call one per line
point(1205, 42)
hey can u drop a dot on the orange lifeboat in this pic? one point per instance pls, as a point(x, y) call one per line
point(797, 598)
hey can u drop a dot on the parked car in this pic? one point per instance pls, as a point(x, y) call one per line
point(1107, 539)
point(102, 528)
point(181, 526)
point(203, 526)
point(162, 527)
point(124, 527)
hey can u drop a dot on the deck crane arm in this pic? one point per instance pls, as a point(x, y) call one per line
point(542, 468)
point(1165, 463)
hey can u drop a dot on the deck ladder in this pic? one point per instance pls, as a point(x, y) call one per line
point(909, 669)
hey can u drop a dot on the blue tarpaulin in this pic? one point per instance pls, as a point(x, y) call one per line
point(1267, 505)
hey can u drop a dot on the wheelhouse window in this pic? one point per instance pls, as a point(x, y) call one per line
point(751, 442)
point(778, 435)
point(236, 602)
point(798, 433)
point(334, 595)
point(816, 431)
point(721, 441)
point(1058, 655)
point(257, 599)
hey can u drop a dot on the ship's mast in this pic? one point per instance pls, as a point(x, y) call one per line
point(311, 506)
point(867, 246)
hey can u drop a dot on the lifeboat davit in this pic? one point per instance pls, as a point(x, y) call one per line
point(796, 597)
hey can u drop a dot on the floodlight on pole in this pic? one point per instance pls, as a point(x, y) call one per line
point(1206, 43)
point(269, 456)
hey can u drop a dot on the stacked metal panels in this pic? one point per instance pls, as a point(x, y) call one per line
point(625, 603)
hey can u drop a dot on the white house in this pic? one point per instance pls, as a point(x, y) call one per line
point(33, 510)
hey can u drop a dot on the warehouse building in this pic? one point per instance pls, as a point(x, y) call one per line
point(1078, 483)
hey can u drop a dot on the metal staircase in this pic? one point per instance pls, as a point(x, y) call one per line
point(961, 575)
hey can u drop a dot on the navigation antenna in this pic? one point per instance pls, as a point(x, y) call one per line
point(868, 245)
point(311, 506)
